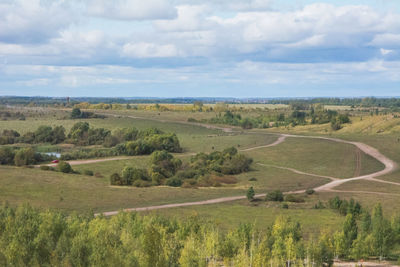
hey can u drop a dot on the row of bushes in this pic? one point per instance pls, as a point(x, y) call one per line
point(296, 117)
point(21, 157)
point(137, 142)
point(43, 134)
point(202, 170)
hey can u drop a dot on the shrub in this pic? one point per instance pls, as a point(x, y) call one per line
point(7, 155)
point(64, 167)
point(285, 206)
point(45, 168)
point(88, 172)
point(175, 182)
point(310, 191)
point(24, 157)
point(115, 179)
point(293, 198)
point(141, 183)
point(319, 205)
point(252, 179)
point(274, 196)
point(250, 194)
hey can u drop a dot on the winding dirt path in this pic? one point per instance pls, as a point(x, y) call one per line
point(329, 187)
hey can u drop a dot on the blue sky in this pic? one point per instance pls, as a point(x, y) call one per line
point(176, 48)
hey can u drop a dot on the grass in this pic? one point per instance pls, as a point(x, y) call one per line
point(315, 156)
point(83, 193)
point(69, 192)
point(270, 178)
point(107, 168)
point(370, 186)
point(229, 215)
point(193, 138)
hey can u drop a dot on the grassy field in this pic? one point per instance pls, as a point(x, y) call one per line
point(69, 192)
point(315, 156)
point(193, 138)
point(262, 214)
point(86, 193)
point(107, 168)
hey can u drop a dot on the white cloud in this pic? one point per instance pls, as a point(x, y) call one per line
point(132, 9)
point(386, 40)
point(190, 18)
point(385, 52)
point(149, 50)
point(33, 21)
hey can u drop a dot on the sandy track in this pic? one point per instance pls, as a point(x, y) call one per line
point(86, 161)
point(281, 139)
point(389, 167)
point(89, 161)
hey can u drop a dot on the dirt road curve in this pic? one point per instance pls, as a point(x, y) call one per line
point(186, 204)
point(281, 139)
point(389, 167)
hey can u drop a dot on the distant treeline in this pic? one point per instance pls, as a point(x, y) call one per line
point(44, 101)
point(297, 116)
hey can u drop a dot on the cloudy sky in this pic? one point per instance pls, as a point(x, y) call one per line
point(173, 48)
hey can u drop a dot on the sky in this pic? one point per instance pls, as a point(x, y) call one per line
point(200, 48)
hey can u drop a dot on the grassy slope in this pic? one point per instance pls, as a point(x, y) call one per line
point(82, 193)
point(193, 138)
point(316, 156)
point(229, 215)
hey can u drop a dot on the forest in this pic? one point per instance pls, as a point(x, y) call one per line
point(29, 237)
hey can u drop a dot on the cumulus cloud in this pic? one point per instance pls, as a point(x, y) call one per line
point(149, 50)
point(132, 9)
point(33, 21)
point(186, 41)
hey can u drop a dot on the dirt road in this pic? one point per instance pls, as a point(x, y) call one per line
point(388, 163)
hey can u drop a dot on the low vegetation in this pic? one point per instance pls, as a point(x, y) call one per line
point(202, 170)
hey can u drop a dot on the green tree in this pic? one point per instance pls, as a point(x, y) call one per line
point(6, 156)
point(350, 231)
point(76, 113)
point(44, 134)
point(58, 134)
point(250, 194)
point(381, 232)
point(64, 167)
point(24, 156)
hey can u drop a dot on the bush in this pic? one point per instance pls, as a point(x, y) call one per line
point(141, 183)
point(253, 179)
point(64, 167)
point(175, 182)
point(115, 179)
point(274, 196)
point(250, 194)
point(319, 205)
point(45, 168)
point(310, 191)
point(24, 157)
point(7, 155)
point(285, 206)
point(88, 172)
point(293, 198)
